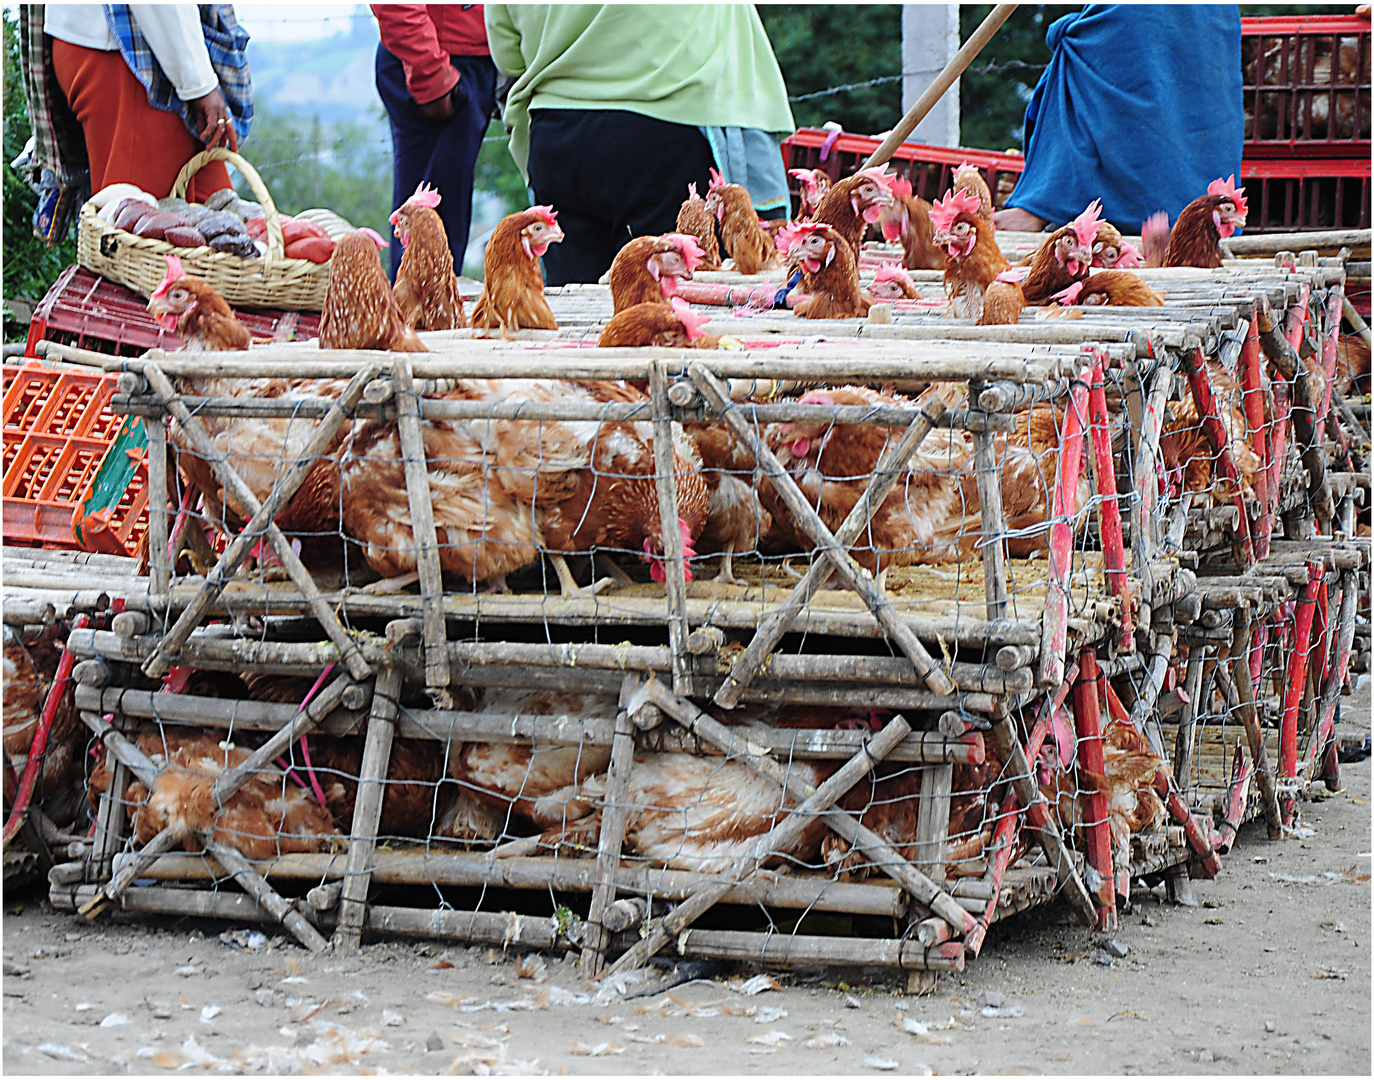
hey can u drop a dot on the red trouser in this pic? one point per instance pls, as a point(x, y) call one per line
point(127, 140)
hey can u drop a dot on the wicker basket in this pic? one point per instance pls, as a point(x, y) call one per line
point(273, 281)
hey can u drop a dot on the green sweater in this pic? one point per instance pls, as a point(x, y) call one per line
point(706, 65)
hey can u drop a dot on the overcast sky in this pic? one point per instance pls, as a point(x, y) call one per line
point(298, 22)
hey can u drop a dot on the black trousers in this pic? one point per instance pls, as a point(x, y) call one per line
point(445, 155)
point(612, 175)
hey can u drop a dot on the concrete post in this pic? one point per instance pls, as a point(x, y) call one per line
point(930, 37)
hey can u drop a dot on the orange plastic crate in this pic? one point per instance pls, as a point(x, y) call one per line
point(57, 431)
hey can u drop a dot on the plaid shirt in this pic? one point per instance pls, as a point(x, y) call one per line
point(226, 43)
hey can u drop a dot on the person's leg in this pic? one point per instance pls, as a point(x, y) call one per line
point(127, 140)
point(457, 145)
point(413, 137)
point(561, 177)
point(615, 175)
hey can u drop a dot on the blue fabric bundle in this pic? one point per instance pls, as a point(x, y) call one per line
point(1140, 106)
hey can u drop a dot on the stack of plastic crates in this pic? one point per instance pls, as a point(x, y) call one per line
point(1306, 86)
point(75, 475)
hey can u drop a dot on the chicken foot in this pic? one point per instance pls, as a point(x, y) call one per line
point(726, 575)
point(392, 585)
point(568, 584)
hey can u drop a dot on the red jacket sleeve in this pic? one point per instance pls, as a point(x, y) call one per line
point(408, 31)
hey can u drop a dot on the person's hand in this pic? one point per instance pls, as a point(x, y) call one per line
point(443, 109)
point(214, 125)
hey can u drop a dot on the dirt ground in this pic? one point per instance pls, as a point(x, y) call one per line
point(1270, 973)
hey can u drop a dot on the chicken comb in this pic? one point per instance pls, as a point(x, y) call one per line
point(688, 246)
point(692, 191)
point(547, 214)
point(901, 187)
point(692, 323)
point(1085, 224)
point(425, 195)
point(1069, 295)
point(944, 211)
point(893, 272)
point(374, 236)
point(1013, 275)
point(1129, 256)
point(175, 273)
point(807, 176)
point(717, 181)
point(1228, 188)
point(797, 230)
point(879, 175)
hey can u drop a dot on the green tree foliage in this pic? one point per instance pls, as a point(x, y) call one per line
point(823, 46)
point(496, 169)
point(305, 162)
point(30, 267)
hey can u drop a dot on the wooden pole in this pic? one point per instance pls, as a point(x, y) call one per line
point(1253, 400)
point(367, 810)
point(932, 822)
point(1055, 619)
point(1293, 689)
point(850, 572)
point(261, 521)
point(776, 623)
point(1243, 684)
point(1088, 725)
point(1144, 474)
point(1344, 635)
point(263, 894)
point(779, 838)
point(994, 524)
point(936, 90)
point(160, 563)
point(674, 566)
point(596, 937)
point(1109, 505)
point(1183, 742)
point(421, 504)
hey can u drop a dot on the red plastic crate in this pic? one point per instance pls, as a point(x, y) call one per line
point(1298, 102)
point(1294, 196)
point(57, 430)
point(90, 312)
point(930, 168)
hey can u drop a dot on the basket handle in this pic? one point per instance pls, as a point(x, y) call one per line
point(276, 243)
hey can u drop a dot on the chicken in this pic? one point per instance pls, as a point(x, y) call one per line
point(743, 237)
point(735, 520)
point(854, 203)
point(412, 799)
point(426, 289)
point(539, 784)
point(1200, 228)
point(1186, 452)
point(893, 283)
point(814, 185)
point(1129, 767)
point(1118, 288)
point(652, 323)
point(259, 449)
point(359, 310)
point(1111, 251)
point(694, 220)
point(975, 271)
point(934, 514)
point(908, 220)
point(191, 309)
point(267, 817)
point(513, 292)
point(26, 680)
point(969, 180)
point(1352, 365)
point(1064, 258)
point(830, 273)
point(647, 269)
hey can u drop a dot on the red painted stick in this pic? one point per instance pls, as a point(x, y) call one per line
point(1038, 813)
point(1329, 348)
point(1321, 636)
point(1109, 506)
point(1088, 723)
point(1216, 435)
point(1277, 440)
point(1252, 396)
point(1055, 625)
point(1237, 795)
point(1292, 695)
point(1261, 638)
point(34, 765)
point(720, 294)
point(1344, 637)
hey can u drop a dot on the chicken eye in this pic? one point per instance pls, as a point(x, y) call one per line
point(178, 295)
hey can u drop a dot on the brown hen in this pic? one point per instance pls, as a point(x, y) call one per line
point(513, 292)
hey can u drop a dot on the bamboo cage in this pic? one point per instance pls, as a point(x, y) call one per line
point(914, 742)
